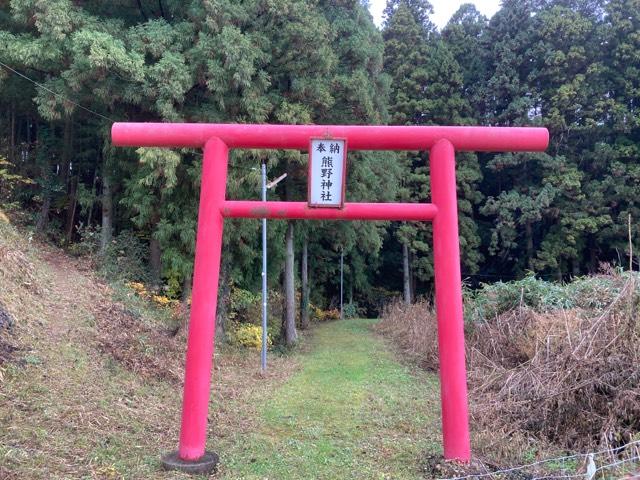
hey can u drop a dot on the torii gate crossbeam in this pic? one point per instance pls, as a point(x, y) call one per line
point(217, 139)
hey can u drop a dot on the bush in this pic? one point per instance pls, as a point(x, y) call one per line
point(351, 310)
point(494, 299)
point(320, 315)
point(244, 306)
point(550, 365)
point(247, 335)
point(89, 243)
point(125, 259)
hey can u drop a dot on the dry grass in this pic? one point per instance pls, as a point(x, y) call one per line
point(571, 377)
point(145, 349)
point(21, 284)
point(94, 389)
point(544, 379)
point(413, 328)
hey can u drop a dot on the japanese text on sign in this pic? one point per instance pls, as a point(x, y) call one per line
point(327, 159)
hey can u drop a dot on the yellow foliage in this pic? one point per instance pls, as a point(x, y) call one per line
point(3, 217)
point(324, 315)
point(161, 300)
point(138, 287)
point(108, 471)
point(247, 335)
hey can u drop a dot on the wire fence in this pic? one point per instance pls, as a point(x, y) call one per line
point(589, 468)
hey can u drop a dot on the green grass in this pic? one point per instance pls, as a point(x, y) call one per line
point(352, 411)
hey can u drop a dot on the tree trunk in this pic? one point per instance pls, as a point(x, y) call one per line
point(186, 289)
point(291, 336)
point(43, 217)
point(224, 295)
point(593, 255)
point(529, 234)
point(304, 298)
point(107, 210)
point(71, 212)
point(184, 303)
point(406, 277)
point(12, 141)
point(155, 260)
point(66, 152)
point(93, 191)
point(28, 123)
point(67, 180)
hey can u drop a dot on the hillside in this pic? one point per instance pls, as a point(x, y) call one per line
point(91, 388)
point(91, 385)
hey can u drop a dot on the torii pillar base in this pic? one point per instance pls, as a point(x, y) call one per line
point(208, 463)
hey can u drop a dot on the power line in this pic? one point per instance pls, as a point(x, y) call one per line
point(85, 108)
point(56, 93)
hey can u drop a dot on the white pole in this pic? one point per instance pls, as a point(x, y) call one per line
point(264, 273)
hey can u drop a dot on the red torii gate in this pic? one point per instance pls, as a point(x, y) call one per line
point(218, 139)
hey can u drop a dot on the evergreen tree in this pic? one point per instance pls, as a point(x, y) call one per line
point(427, 89)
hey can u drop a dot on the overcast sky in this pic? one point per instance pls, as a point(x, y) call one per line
point(443, 9)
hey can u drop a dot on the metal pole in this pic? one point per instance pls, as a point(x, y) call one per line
point(341, 280)
point(263, 363)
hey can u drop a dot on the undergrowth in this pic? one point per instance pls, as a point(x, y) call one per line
point(551, 367)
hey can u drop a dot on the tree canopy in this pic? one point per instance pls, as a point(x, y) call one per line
point(69, 69)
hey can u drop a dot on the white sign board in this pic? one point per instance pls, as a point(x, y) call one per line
point(327, 172)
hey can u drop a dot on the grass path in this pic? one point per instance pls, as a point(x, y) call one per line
point(351, 411)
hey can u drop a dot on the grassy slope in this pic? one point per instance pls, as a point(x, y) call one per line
point(342, 408)
point(351, 412)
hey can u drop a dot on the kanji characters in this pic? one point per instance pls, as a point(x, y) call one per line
point(327, 162)
point(326, 157)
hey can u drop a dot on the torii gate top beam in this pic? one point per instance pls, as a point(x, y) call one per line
point(359, 137)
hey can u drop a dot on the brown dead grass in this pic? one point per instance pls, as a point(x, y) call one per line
point(146, 350)
point(21, 285)
point(94, 390)
point(542, 382)
point(413, 329)
point(572, 377)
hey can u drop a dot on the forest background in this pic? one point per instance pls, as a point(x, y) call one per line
point(572, 66)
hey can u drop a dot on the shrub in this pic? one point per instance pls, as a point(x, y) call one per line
point(244, 306)
point(351, 310)
point(247, 335)
point(494, 299)
point(549, 364)
point(320, 315)
point(89, 242)
point(125, 259)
